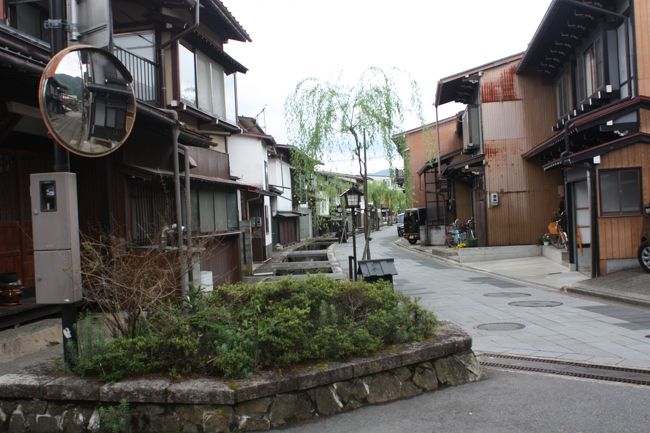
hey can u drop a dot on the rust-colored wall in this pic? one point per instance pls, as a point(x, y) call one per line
point(620, 236)
point(421, 143)
point(517, 113)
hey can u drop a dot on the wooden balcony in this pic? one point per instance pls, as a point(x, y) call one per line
point(211, 163)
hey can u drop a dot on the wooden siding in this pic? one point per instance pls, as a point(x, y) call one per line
point(513, 123)
point(644, 121)
point(16, 248)
point(421, 145)
point(642, 31)
point(222, 259)
point(463, 200)
point(620, 236)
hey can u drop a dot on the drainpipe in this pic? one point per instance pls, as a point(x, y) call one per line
point(164, 45)
point(74, 21)
point(177, 194)
point(444, 213)
point(188, 206)
point(595, 244)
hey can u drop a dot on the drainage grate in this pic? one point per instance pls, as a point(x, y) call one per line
point(503, 326)
point(506, 295)
point(566, 368)
point(535, 304)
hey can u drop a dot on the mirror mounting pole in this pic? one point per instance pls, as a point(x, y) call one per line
point(58, 42)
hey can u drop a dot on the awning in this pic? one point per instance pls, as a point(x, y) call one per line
point(195, 177)
point(445, 160)
point(601, 149)
point(453, 88)
point(289, 214)
point(589, 120)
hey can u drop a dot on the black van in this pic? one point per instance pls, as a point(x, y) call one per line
point(413, 219)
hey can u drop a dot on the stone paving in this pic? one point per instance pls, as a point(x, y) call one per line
point(582, 329)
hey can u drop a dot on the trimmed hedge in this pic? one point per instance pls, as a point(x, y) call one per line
point(238, 329)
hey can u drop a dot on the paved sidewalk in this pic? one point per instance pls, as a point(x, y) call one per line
point(632, 285)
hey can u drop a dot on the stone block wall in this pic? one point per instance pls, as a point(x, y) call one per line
point(43, 404)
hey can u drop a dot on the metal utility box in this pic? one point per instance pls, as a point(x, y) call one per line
point(55, 228)
point(377, 269)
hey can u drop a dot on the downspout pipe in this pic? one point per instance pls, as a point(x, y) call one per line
point(177, 193)
point(164, 45)
point(188, 199)
point(444, 213)
point(595, 242)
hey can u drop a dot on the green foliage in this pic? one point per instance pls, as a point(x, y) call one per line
point(241, 328)
point(323, 116)
point(114, 419)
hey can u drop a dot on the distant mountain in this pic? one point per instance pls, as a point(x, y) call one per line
point(385, 173)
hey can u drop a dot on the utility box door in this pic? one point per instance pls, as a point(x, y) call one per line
point(58, 277)
point(55, 222)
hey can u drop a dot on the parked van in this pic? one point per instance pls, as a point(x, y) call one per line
point(413, 219)
point(644, 248)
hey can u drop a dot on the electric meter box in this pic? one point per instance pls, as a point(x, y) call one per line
point(55, 233)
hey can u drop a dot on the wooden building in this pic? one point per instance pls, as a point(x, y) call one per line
point(596, 65)
point(175, 53)
point(512, 200)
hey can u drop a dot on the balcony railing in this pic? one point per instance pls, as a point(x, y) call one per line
point(145, 75)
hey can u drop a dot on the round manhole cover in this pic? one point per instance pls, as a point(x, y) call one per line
point(507, 295)
point(535, 304)
point(503, 326)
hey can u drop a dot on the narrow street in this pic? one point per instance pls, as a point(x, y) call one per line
point(518, 318)
point(569, 328)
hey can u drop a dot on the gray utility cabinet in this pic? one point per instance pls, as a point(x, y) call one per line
point(55, 233)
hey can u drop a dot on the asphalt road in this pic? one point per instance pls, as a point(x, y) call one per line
point(579, 328)
point(545, 323)
point(506, 402)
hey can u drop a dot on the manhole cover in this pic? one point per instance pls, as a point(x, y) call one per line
point(506, 295)
point(535, 304)
point(504, 326)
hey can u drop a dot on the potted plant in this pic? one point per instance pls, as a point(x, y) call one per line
point(546, 239)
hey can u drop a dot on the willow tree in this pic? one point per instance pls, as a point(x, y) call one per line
point(324, 117)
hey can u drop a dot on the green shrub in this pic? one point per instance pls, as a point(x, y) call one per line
point(240, 328)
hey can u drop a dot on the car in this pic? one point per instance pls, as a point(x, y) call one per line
point(644, 247)
point(413, 219)
point(400, 224)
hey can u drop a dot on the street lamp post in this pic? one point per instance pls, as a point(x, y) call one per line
point(352, 201)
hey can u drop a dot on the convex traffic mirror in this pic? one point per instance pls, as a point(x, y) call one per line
point(87, 101)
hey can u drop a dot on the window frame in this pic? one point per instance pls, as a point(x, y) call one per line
point(215, 85)
point(620, 212)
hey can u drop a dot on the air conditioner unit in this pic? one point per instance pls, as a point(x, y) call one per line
point(470, 143)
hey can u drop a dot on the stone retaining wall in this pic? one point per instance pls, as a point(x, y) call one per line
point(70, 404)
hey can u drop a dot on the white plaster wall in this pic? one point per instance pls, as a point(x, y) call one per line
point(247, 156)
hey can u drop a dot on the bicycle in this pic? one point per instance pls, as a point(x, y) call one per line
point(458, 232)
point(556, 232)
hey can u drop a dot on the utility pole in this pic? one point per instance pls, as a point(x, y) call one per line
point(366, 229)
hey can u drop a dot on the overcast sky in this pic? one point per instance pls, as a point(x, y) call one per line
point(429, 39)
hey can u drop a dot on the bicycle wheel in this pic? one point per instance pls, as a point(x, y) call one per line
point(449, 241)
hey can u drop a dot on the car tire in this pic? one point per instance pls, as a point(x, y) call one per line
point(644, 255)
